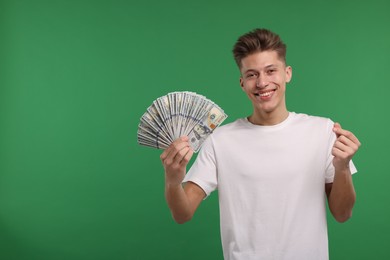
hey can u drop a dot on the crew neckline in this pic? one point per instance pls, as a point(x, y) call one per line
point(270, 127)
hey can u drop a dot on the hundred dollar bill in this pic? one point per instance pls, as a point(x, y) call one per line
point(205, 127)
point(177, 114)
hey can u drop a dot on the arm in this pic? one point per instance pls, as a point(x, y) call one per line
point(341, 193)
point(182, 202)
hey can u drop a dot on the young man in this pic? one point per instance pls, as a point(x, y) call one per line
point(272, 169)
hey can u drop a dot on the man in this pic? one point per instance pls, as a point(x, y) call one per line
point(272, 169)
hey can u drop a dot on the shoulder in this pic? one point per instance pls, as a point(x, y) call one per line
point(239, 123)
point(301, 118)
point(312, 125)
point(223, 133)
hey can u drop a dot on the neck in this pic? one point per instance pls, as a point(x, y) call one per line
point(268, 119)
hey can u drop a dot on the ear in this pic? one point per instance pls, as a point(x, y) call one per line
point(288, 74)
point(242, 83)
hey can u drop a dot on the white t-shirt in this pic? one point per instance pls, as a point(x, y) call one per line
point(271, 186)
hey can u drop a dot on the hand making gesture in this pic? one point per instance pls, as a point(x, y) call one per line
point(344, 148)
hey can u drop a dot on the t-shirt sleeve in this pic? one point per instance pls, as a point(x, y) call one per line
point(204, 171)
point(329, 173)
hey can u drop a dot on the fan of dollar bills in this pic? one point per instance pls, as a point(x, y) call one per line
point(177, 114)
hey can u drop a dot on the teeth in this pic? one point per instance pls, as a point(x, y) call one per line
point(266, 94)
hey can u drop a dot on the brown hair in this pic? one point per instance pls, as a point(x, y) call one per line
point(258, 40)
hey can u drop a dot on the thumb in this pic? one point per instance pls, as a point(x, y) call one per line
point(336, 127)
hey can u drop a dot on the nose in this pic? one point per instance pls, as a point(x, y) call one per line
point(261, 82)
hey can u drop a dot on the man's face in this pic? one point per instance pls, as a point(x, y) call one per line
point(263, 78)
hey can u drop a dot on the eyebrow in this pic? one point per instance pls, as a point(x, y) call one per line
point(266, 67)
point(249, 70)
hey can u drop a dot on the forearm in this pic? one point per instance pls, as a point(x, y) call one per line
point(178, 203)
point(342, 196)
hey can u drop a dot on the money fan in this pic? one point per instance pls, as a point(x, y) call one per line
point(177, 114)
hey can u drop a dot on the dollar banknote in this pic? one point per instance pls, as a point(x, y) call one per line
point(179, 114)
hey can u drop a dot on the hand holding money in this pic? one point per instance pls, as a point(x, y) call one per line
point(175, 159)
point(179, 114)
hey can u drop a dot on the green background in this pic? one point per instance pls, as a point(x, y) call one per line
point(75, 77)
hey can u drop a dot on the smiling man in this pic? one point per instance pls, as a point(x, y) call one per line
point(274, 170)
point(264, 78)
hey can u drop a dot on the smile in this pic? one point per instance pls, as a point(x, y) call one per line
point(265, 94)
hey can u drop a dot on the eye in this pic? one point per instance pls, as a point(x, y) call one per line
point(251, 75)
point(271, 71)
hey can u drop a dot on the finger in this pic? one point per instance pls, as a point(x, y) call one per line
point(181, 155)
point(172, 147)
point(352, 137)
point(187, 157)
point(342, 154)
point(344, 148)
point(342, 151)
point(338, 153)
point(348, 142)
point(336, 128)
point(342, 132)
point(337, 125)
